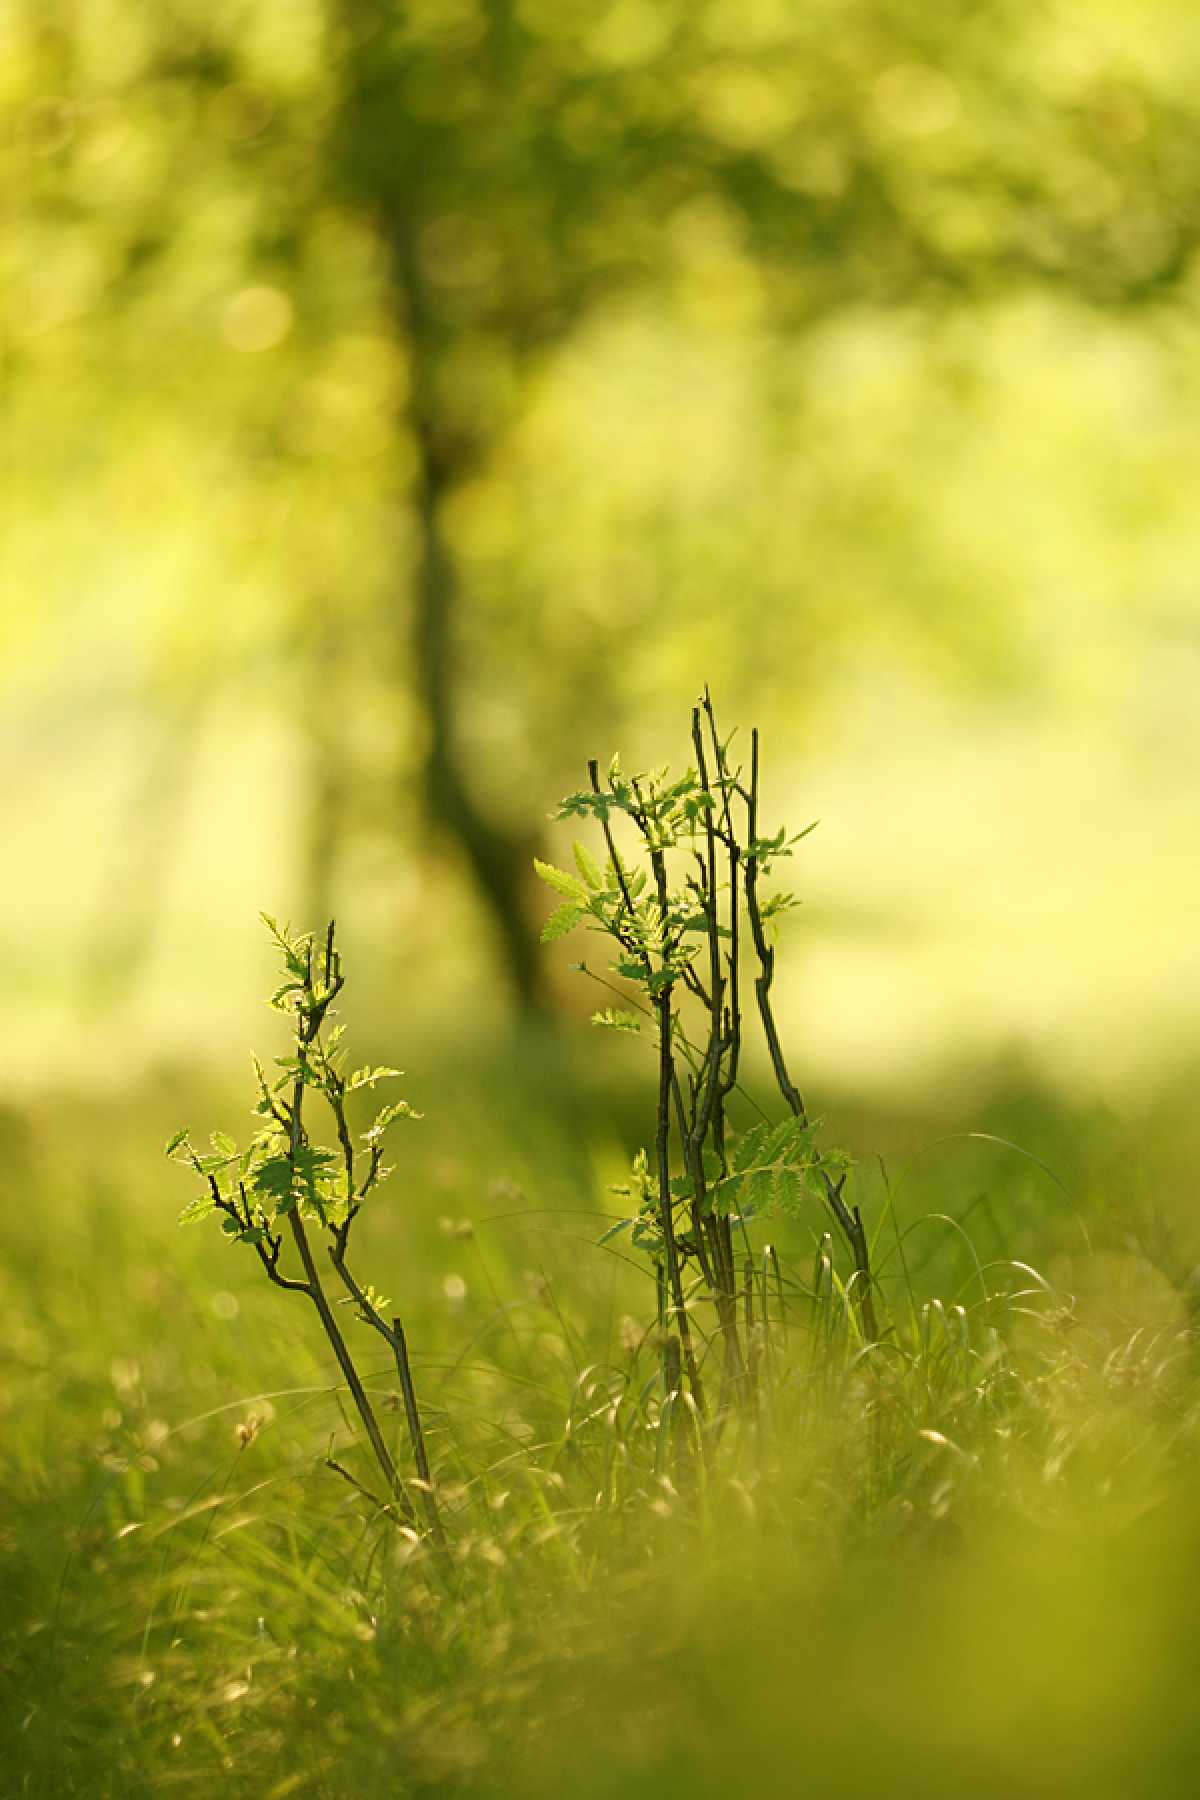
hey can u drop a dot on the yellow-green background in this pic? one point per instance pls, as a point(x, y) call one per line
point(912, 488)
point(843, 356)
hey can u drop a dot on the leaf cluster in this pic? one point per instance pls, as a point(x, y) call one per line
point(772, 1169)
point(280, 1169)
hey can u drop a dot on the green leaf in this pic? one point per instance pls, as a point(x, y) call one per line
point(275, 1177)
point(223, 1143)
point(174, 1142)
point(562, 920)
point(362, 1078)
point(761, 849)
point(756, 1191)
point(788, 1191)
point(588, 867)
point(292, 1066)
point(771, 1165)
point(376, 1303)
point(560, 881)
point(790, 1142)
point(814, 1181)
point(747, 1152)
point(199, 1208)
point(230, 1227)
point(279, 999)
point(613, 1020)
point(399, 1109)
point(647, 1234)
point(614, 1231)
point(723, 1198)
point(585, 805)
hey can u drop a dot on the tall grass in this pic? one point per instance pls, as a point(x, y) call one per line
point(962, 1561)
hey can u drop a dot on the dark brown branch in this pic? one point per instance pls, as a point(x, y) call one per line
point(850, 1223)
point(393, 1335)
point(383, 1506)
point(416, 1433)
point(610, 842)
point(665, 1203)
point(307, 1026)
point(366, 1413)
point(729, 838)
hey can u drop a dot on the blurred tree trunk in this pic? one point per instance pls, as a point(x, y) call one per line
point(498, 859)
point(396, 168)
point(330, 785)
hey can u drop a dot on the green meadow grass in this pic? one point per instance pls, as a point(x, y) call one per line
point(962, 1562)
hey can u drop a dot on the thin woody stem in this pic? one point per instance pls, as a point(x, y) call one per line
point(610, 842)
point(415, 1432)
point(850, 1222)
point(307, 1027)
point(663, 1009)
point(729, 838)
point(666, 1080)
point(393, 1335)
point(706, 1112)
point(325, 1312)
point(662, 1145)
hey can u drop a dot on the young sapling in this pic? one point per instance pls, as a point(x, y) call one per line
point(680, 907)
point(284, 1188)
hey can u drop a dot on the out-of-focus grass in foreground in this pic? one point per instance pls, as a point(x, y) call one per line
point(963, 1563)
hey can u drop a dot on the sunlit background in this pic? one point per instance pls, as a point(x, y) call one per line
point(404, 404)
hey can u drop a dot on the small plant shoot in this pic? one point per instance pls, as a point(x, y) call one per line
point(285, 1194)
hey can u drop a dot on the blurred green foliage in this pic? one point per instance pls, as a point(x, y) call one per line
point(405, 402)
point(401, 405)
